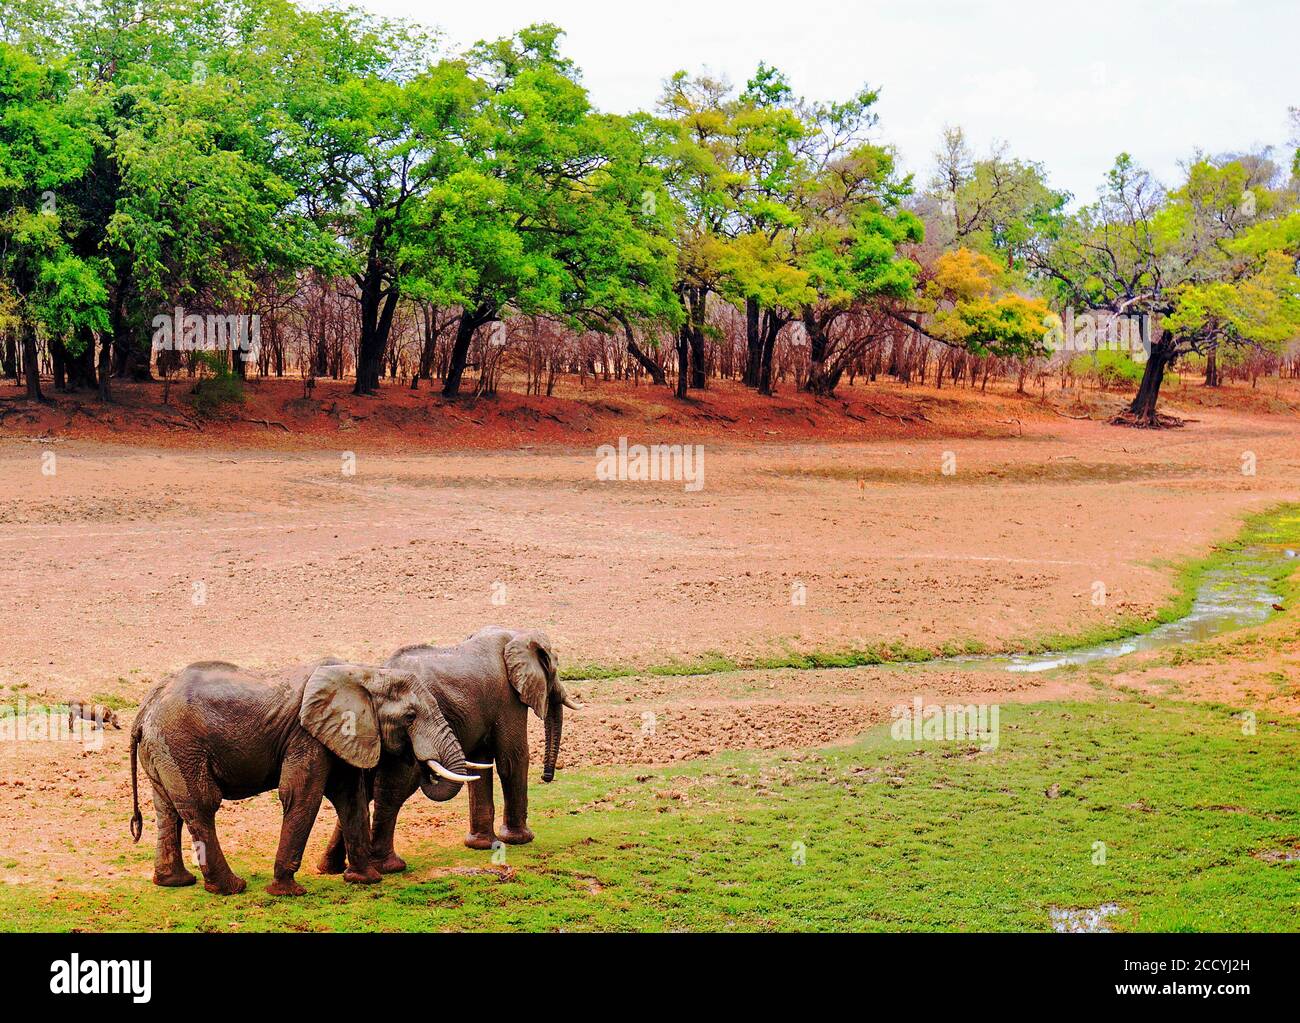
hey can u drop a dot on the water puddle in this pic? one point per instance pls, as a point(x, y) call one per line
point(1083, 921)
point(1238, 593)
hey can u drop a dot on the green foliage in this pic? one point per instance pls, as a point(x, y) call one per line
point(1215, 259)
point(971, 308)
point(542, 211)
point(211, 150)
point(999, 205)
point(43, 148)
point(1107, 367)
point(218, 387)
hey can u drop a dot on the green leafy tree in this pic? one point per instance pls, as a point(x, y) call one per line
point(545, 216)
point(972, 307)
point(43, 148)
point(1213, 262)
point(997, 205)
point(370, 123)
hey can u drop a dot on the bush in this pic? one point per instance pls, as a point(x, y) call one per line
point(1108, 368)
point(218, 387)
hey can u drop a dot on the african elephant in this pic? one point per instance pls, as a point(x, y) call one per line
point(485, 687)
point(215, 732)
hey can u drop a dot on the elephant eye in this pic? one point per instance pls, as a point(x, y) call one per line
point(409, 715)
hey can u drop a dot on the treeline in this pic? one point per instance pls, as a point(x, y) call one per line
point(380, 209)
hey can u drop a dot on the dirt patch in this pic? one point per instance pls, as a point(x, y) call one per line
point(274, 414)
point(1291, 855)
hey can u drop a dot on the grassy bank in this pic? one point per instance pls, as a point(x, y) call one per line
point(1277, 527)
point(1196, 818)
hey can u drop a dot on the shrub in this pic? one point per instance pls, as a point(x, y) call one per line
point(1108, 368)
point(217, 386)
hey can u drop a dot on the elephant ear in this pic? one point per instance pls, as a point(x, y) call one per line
point(529, 663)
point(338, 710)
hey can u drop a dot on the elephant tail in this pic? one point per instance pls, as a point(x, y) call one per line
point(137, 821)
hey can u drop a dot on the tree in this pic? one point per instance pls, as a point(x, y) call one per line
point(788, 209)
point(971, 308)
point(372, 125)
point(1215, 260)
point(851, 227)
point(43, 147)
point(698, 161)
point(996, 205)
point(544, 216)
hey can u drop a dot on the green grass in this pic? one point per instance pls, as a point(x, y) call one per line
point(926, 836)
point(1276, 527)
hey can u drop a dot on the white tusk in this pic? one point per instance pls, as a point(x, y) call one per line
point(480, 767)
point(442, 772)
point(571, 705)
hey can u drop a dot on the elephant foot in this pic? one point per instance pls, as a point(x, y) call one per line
point(231, 885)
point(391, 864)
point(331, 864)
point(286, 887)
point(479, 840)
point(368, 876)
point(179, 879)
point(514, 836)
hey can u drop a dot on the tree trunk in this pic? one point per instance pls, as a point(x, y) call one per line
point(59, 360)
point(105, 367)
point(697, 303)
point(321, 360)
point(772, 325)
point(377, 308)
point(470, 321)
point(819, 382)
point(698, 378)
point(81, 370)
point(1142, 412)
point(753, 342)
point(128, 360)
point(1212, 368)
point(429, 350)
point(683, 359)
point(31, 363)
point(647, 363)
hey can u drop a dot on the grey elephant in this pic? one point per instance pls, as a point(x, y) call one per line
point(215, 732)
point(485, 687)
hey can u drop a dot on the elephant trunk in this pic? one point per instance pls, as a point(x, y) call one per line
point(436, 741)
point(554, 726)
point(440, 759)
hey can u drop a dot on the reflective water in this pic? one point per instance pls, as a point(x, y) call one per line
point(1238, 593)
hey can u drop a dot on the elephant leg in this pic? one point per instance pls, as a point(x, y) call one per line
point(482, 814)
point(346, 789)
point(218, 878)
point(302, 784)
point(513, 769)
point(391, 793)
point(381, 840)
point(334, 859)
point(169, 862)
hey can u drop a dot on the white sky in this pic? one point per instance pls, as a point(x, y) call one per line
point(1068, 85)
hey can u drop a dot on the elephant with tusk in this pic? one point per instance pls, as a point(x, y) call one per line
point(215, 732)
point(485, 687)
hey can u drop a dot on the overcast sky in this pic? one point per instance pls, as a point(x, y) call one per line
point(1070, 85)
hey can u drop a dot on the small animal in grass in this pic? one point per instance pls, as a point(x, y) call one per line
point(96, 713)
